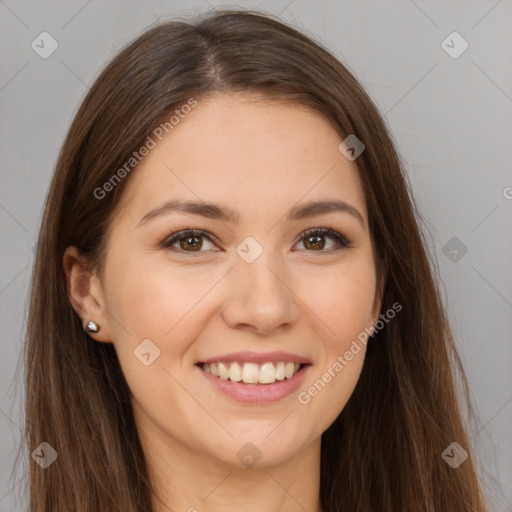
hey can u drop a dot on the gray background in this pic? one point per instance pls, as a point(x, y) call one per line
point(451, 118)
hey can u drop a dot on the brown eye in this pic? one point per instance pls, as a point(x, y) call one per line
point(314, 240)
point(191, 242)
point(188, 240)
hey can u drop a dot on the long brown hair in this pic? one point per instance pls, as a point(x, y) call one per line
point(383, 452)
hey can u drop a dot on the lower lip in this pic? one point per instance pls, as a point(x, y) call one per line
point(258, 393)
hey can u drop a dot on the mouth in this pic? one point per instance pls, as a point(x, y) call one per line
point(251, 372)
point(255, 378)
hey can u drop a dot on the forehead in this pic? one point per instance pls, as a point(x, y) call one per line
point(258, 157)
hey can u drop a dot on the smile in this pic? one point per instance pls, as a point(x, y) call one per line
point(252, 373)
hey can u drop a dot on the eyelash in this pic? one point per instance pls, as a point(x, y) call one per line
point(343, 242)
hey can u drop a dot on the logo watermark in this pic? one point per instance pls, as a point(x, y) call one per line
point(454, 455)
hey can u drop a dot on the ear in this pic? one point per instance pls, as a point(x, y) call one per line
point(85, 293)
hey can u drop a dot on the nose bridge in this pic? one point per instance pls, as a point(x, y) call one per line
point(258, 291)
point(264, 276)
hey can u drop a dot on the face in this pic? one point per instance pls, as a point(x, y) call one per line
point(252, 284)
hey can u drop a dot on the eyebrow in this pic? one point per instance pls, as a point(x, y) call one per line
point(220, 212)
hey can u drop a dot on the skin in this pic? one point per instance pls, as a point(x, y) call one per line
point(261, 158)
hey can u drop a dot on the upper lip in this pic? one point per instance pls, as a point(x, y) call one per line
point(257, 357)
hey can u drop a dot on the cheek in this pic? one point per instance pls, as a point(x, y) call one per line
point(157, 302)
point(329, 390)
point(345, 308)
point(164, 306)
point(142, 299)
point(343, 301)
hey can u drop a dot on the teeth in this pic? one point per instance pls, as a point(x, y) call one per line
point(235, 372)
point(267, 374)
point(223, 371)
point(252, 373)
point(280, 371)
point(214, 369)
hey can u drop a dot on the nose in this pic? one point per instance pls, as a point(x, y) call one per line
point(260, 297)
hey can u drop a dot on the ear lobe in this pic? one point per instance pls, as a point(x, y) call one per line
point(84, 292)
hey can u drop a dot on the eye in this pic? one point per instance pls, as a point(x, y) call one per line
point(312, 240)
point(190, 240)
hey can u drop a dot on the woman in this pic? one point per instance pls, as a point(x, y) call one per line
point(232, 300)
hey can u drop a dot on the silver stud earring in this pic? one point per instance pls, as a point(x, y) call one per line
point(92, 327)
